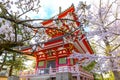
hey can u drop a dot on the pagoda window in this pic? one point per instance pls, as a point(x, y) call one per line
point(63, 60)
point(41, 63)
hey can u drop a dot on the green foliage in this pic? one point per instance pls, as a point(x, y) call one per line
point(17, 63)
point(34, 64)
point(104, 76)
point(90, 66)
point(97, 76)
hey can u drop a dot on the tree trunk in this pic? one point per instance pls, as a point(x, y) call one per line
point(11, 67)
point(102, 76)
point(116, 75)
point(11, 70)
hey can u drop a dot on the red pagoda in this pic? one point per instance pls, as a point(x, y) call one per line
point(52, 60)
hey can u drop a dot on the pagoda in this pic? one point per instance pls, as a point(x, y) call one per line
point(52, 60)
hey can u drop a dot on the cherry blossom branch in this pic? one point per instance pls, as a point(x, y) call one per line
point(17, 51)
point(111, 22)
point(2, 38)
point(118, 34)
point(111, 62)
point(115, 48)
point(100, 15)
point(27, 11)
point(113, 38)
point(64, 19)
point(99, 45)
point(109, 7)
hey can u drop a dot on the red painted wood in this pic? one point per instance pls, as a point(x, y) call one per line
point(68, 60)
point(87, 45)
point(80, 46)
point(52, 42)
point(63, 14)
point(47, 21)
point(76, 18)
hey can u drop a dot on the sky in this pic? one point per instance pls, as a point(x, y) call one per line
point(50, 8)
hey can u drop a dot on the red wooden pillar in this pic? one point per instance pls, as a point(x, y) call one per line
point(68, 62)
point(45, 61)
point(36, 67)
point(68, 54)
point(57, 60)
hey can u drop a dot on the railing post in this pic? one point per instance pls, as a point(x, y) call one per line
point(77, 68)
point(37, 71)
point(78, 71)
point(50, 70)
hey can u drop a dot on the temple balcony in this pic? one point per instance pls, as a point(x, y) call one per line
point(46, 73)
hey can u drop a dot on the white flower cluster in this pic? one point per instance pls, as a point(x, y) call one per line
point(105, 63)
point(6, 30)
point(102, 19)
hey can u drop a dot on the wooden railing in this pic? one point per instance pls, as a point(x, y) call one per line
point(52, 71)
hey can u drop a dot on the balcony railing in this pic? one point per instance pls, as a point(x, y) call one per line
point(52, 71)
